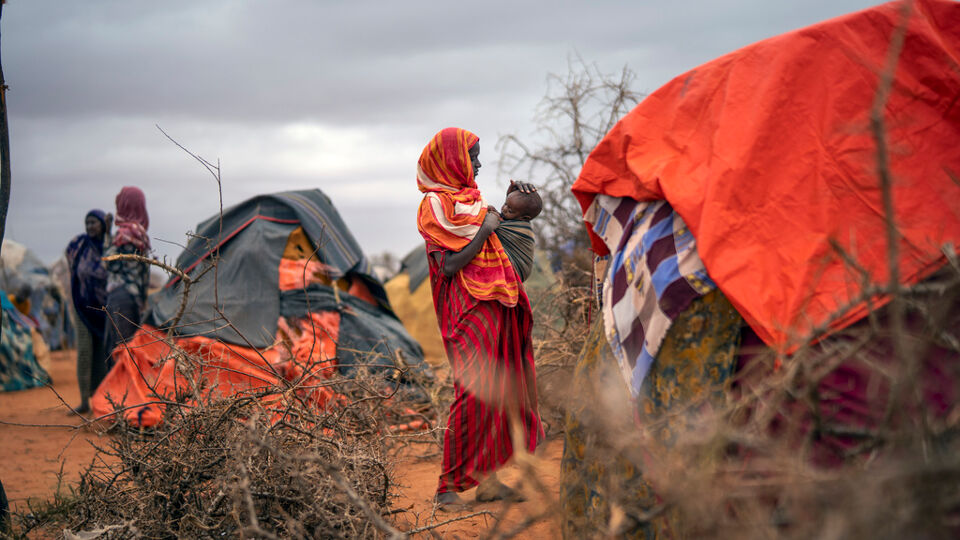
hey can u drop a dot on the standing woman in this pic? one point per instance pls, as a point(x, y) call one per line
point(88, 287)
point(127, 281)
point(485, 322)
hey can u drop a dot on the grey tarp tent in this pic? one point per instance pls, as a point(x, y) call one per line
point(251, 238)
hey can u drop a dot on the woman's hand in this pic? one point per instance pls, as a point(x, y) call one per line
point(491, 221)
point(523, 187)
point(454, 261)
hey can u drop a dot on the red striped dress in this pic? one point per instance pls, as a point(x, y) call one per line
point(490, 350)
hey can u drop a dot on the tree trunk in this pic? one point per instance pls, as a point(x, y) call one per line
point(4, 152)
point(4, 156)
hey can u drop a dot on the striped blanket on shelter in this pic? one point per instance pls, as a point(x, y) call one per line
point(652, 274)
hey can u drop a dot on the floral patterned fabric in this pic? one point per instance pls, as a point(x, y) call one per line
point(132, 276)
point(19, 369)
point(690, 376)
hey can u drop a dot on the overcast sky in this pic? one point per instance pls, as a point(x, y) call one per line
point(295, 94)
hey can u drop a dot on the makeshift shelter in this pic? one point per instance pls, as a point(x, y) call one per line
point(412, 298)
point(279, 290)
point(760, 188)
point(50, 309)
point(777, 175)
point(19, 368)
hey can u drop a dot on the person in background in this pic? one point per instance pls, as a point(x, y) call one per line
point(88, 287)
point(127, 280)
point(485, 322)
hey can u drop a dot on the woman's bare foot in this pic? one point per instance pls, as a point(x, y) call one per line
point(492, 489)
point(449, 500)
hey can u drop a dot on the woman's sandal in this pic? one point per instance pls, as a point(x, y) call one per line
point(79, 410)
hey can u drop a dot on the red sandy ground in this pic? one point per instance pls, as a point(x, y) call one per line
point(47, 438)
point(417, 480)
point(38, 439)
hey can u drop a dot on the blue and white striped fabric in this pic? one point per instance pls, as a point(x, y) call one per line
point(652, 274)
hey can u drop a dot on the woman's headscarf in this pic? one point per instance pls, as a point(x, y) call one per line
point(132, 219)
point(101, 217)
point(88, 276)
point(453, 210)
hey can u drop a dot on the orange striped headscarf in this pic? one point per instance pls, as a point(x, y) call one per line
point(452, 211)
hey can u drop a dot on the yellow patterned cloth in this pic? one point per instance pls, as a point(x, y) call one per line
point(690, 376)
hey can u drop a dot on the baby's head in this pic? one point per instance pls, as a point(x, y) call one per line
point(522, 206)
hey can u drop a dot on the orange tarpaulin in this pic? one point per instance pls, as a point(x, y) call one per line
point(149, 372)
point(768, 155)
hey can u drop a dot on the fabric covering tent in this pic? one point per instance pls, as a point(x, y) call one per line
point(292, 296)
point(50, 308)
point(768, 155)
point(19, 368)
point(412, 298)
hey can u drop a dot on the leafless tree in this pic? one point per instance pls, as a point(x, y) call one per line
point(579, 108)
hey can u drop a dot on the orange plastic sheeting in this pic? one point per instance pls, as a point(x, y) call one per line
point(148, 372)
point(298, 274)
point(768, 155)
point(299, 267)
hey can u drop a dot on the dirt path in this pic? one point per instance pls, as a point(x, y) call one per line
point(417, 480)
point(35, 452)
point(47, 440)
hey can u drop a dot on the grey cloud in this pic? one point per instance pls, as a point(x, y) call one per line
point(339, 61)
point(231, 78)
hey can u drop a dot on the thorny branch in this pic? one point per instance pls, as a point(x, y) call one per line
point(184, 277)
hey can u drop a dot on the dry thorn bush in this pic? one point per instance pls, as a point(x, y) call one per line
point(262, 464)
point(775, 458)
point(562, 317)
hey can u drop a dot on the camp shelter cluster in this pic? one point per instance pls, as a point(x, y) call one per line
point(767, 340)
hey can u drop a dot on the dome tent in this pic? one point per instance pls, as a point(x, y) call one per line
point(50, 309)
point(292, 295)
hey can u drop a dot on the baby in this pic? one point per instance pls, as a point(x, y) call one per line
point(516, 232)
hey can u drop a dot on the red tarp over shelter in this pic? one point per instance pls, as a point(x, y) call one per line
point(769, 156)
